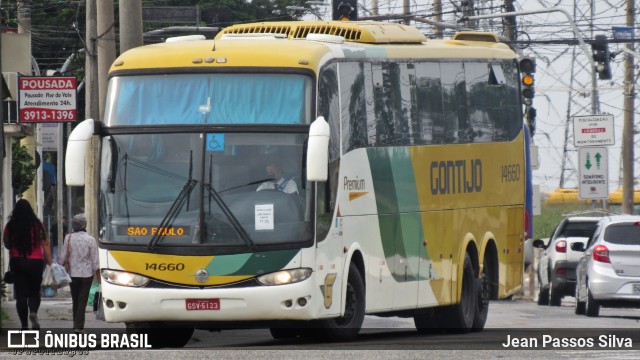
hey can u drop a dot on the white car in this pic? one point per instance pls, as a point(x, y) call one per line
point(556, 268)
point(608, 273)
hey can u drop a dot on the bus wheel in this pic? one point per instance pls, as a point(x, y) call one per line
point(482, 301)
point(428, 322)
point(160, 336)
point(348, 326)
point(461, 315)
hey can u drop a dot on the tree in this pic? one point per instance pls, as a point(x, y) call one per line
point(23, 168)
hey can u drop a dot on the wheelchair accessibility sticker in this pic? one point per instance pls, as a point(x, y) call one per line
point(215, 142)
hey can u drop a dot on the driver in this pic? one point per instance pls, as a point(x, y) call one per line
point(286, 185)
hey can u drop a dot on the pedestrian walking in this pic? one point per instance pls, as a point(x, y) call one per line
point(81, 250)
point(26, 239)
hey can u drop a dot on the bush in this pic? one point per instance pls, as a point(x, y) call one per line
point(544, 224)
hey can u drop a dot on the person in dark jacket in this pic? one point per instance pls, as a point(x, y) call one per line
point(26, 239)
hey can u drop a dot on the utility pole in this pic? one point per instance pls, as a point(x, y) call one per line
point(24, 16)
point(628, 130)
point(437, 17)
point(91, 63)
point(106, 46)
point(468, 10)
point(130, 13)
point(2, 139)
point(374, 7)
point(31, 195)
point(106, 51)
point(509, 21)
point(406, 11)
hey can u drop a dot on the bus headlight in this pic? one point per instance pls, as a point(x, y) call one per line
point(124, 278)
point(285, 277)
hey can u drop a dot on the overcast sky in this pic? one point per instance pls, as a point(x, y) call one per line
point(554, 82)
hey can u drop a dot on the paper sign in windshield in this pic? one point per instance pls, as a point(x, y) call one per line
point(264, 217)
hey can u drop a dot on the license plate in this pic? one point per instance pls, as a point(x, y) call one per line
point(202, 304)
point(636, 289)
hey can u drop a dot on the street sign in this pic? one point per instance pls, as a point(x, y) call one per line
point(593, 130)
point(50, 137)
point(46, 99)
point(593, 173)
point(622, 32)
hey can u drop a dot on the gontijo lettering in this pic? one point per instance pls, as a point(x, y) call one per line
point(456, 176)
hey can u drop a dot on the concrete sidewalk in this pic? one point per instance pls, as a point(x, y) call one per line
point(55, 313)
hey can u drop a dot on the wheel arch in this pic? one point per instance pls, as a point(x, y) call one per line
point(353, 255)
point(470, 247)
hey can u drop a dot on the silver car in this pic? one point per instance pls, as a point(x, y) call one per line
point(608, 274)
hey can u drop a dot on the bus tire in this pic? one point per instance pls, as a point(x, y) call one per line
point(347, 327)
point(161, 336)
point(482, 305)
point(428, 322)
point(461, 316)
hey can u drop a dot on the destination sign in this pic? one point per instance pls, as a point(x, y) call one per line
point(148, 230)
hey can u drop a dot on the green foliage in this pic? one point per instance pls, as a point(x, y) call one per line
point(23, 168)
point(544, 224)
point(58, 27)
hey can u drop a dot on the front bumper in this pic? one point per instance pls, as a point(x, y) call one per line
point(256, 303)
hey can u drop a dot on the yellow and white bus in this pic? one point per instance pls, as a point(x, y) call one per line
point(402, 189)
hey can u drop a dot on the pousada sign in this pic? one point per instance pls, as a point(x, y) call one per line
point(47, 99)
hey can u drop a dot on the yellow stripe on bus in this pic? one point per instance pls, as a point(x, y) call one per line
point(177, 269)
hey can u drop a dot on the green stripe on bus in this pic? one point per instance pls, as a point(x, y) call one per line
point(399, 219)
point(227, 264)
point(255, 264)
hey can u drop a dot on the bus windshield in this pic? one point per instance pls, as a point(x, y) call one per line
point(204, 189)
point(209, 99)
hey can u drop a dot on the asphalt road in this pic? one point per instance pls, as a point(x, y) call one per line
point(396, 338)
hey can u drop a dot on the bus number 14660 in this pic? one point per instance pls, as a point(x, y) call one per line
point(510, 172)
point(164, 266)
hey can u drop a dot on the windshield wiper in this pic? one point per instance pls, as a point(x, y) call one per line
point(248, 184)
point(170, 216)
point(234, 221)
point(175, 208)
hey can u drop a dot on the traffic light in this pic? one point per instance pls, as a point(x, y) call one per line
point(527, 68)
point(602, 57)
point(345, 10)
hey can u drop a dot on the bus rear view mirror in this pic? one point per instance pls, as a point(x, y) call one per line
point(318, 150)
point(76, 151)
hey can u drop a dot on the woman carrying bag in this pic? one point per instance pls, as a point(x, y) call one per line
point(29, 249)
point(81, 252)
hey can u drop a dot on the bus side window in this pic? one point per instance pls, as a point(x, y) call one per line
point(328, 106)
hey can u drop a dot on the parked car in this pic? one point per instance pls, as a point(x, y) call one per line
point(556, 267)
point(608, 273)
